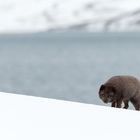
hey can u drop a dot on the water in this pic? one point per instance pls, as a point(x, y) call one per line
point(68, 66)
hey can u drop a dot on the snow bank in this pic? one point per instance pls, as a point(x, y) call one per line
point(33, 118)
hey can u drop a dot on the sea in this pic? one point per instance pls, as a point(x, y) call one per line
point(66, 65)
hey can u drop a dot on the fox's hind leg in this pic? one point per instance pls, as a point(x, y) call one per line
point(137, 106)
point(135, 103)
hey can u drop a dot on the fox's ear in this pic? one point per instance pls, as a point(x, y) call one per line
point(102, 87)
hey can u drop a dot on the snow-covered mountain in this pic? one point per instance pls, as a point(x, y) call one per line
point(48, 15)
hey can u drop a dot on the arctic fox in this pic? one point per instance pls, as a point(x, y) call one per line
point(120, 89)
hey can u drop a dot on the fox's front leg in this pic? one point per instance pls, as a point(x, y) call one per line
point(119, 103)
point(113, 104)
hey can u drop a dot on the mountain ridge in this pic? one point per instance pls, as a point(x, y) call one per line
point(88, 15)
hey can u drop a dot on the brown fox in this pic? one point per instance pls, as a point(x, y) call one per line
point(121, 89)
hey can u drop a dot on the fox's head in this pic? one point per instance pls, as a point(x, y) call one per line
point(107, 93)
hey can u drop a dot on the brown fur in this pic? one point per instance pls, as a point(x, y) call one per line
point(120, 89)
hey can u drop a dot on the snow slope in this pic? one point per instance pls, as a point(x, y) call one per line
point(25, 118)
point(91, 15)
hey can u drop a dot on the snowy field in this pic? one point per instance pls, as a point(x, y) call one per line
point(47, 15)
point(33, 118)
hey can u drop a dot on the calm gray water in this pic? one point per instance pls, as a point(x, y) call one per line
point(69, 66)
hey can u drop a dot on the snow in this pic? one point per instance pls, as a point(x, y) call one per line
point(25, 117)
point(45, 15)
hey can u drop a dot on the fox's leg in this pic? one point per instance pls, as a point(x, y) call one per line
point(126, 105)
point(135, 103)
point(137, 106)
point(119, 103)
point(113, 104)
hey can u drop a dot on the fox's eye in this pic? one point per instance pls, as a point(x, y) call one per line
point(103, 95)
